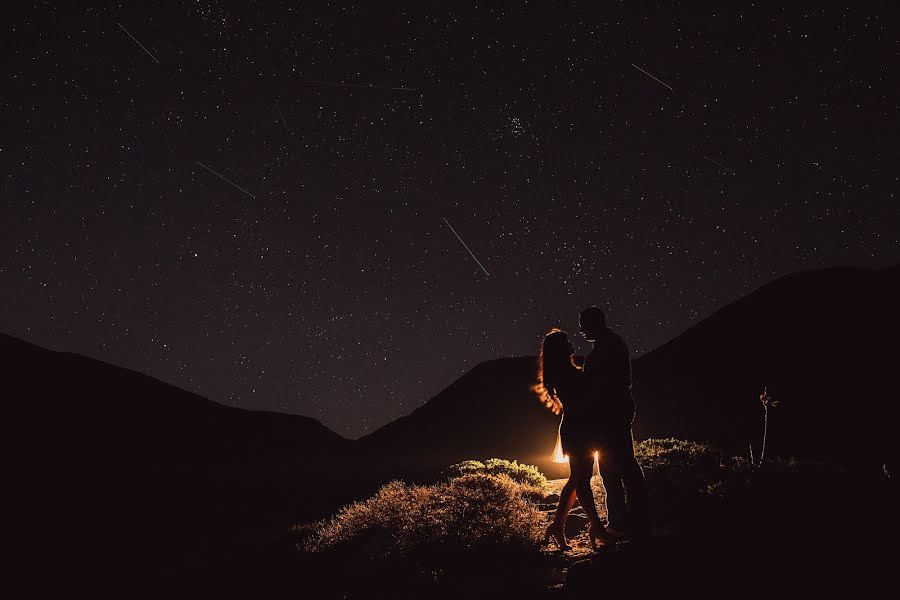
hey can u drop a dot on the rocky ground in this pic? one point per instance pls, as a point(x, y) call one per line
point(576, 532)
point(577, 523)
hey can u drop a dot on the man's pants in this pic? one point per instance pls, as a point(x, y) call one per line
point(626, 490)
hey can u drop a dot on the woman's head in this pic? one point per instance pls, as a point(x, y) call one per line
point(556, 357)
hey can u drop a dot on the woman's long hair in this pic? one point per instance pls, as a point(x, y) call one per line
point(553, 362)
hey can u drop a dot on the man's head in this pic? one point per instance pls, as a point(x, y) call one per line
point(592, 322)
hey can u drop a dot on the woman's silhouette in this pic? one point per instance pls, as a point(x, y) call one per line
point(561, 389)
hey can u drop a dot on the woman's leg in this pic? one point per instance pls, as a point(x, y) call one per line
point(557, 529)
point(566, 501)
point(581, 469)
point(584, 466)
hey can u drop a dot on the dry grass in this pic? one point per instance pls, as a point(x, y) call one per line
point(474, 510)
point(655, 453)
point(527, 475)
point(475, 534)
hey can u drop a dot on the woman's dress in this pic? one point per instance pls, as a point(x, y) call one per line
point(579, 427)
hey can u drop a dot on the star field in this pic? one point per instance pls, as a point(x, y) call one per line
point(249, 201)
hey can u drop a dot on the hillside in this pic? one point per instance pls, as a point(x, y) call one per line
point(116, 464)
point(133, 476)
point(488, 412)
point(822, 341)
point(105, 416)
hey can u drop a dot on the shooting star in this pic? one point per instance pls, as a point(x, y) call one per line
point(283, 120)
point(718, 164)
point(465, 246)
point(222, 177)
point(652, 77)
point(138, 43)
point(359, 85)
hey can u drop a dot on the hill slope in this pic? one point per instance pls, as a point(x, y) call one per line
point(488, 412)
point(822, 341)
point(132, 475)
point(118, 465)
point(825, 344)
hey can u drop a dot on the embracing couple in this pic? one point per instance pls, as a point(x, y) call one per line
point(597, 412)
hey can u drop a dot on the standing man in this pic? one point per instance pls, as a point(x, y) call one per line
point(608, 372)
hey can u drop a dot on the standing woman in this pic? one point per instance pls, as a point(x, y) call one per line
point(560, 387)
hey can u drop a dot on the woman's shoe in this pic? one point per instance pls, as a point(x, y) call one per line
point(557, 532)
point(599, 532)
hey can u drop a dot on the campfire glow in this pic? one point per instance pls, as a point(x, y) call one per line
point(559, 457)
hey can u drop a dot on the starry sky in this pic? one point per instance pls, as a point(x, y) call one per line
point(260, 201)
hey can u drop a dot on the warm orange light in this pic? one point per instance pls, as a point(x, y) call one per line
point(559, 457)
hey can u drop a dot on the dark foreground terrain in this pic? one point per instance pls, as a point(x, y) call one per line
point(783, 531)
point(116, 484)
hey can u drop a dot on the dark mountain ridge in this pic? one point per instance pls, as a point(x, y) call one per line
point(822, 343)
point(488, 412)
point(112, 454)
point(126, 471)
point(86, 406)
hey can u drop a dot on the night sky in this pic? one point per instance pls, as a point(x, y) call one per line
point(257, 201)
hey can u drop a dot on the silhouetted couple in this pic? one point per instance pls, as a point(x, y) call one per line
point(598, 410)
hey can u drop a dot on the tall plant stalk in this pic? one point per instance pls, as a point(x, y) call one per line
point(767, 401)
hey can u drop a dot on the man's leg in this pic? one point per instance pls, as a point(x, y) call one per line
point(632, 477)
point(616, 508)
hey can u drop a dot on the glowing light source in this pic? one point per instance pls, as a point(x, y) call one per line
point(559, 457)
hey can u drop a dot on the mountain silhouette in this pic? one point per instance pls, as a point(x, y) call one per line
point(108, 463)
point(488, 412)
point(73, 411)
point(99, 458)
point(822, 342)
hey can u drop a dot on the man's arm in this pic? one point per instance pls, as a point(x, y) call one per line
point(625, 358)
point(624, 396)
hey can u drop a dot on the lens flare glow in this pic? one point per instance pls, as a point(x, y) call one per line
point(559, 457)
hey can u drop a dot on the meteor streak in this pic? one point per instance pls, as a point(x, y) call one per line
point(222, 177)
point(138, 43)
point(465, 246)
point(652, 77)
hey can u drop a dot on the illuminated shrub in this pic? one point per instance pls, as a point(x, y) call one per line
point(445, 540)
point(474, 510)
point(656, 453)
point(528, 475)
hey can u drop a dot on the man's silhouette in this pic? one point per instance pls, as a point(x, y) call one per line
point(608, 372)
